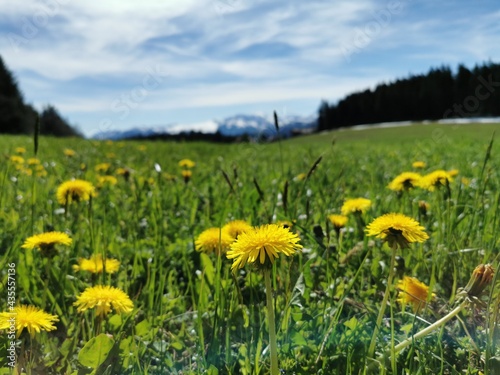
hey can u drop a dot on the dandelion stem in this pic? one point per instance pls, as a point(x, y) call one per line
point(432, 327)
point(270, 317)
point(371, 349)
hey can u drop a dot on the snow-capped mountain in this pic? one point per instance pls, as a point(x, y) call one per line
point(234, 126)
point(255, 126)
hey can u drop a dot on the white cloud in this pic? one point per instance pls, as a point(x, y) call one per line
point(199, 44)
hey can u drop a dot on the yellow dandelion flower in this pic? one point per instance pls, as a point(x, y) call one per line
point(435, 180)
point(357, 205)
point(102, 167)
point(186, 174)
point(33, 161)
point(20, 150)
point(236, 227)
point(69, 152)
point(214, 239)
point(75, 191)
point(453, 172)
point(103, 298)
point(106, 180)
point(397, 230)
point(17, 159)
point(465, 181)
point(186, 163)
point(263, 243)
point(96, 264)
point(30, 317)
point(110, 155)
point(338, 221)
point(414, 292)
point(46, 241)
point(405, 181)
point(418, 164)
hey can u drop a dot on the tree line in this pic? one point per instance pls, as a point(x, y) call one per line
point(436, 95)
point(18, 117)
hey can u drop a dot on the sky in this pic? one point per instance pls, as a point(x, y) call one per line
point(119, 64)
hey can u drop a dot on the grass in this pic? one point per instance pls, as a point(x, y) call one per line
point(192, 315)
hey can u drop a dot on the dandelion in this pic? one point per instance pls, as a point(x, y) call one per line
point(69, 152)
point(106, 180)
point(103, 298)
point(414, 292)
point(418, 164)
point(480, 279)
point(453, 172)
point(263, 243)
point(33, 161)
point(236, 227)
point(102, 167)
point(405, 181)
point(47, 241)
point(30, 317)
point(397, 230)
point(75, 191)
point(123, 172)
point(435, 180)
point(214, 239)
point(20, 150)
point(186, 163)
point(357, 205)
point(186, 175)
point(17, 159)
point(96, 264)
point(338, 221)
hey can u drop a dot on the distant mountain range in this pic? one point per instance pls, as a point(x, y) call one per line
point(253, 126)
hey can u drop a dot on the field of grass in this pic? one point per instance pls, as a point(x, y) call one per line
point(193, 315)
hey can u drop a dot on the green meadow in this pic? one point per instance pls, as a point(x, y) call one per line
point(193, 315)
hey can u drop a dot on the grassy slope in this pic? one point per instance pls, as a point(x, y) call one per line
point(187, 321)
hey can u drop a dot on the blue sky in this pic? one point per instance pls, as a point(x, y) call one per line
point(118, 64)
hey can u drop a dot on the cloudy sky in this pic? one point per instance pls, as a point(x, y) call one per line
point(117, 64)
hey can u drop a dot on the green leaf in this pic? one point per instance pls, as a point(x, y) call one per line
point(177, 345)
point(143, 328)
point(115, 321)
point(95, 352)
point(212, 370)
point(298, 339)
point(351, 323)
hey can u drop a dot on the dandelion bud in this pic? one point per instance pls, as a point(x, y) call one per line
point(480, 279)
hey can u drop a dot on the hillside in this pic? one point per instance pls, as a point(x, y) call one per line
point(18, 117)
